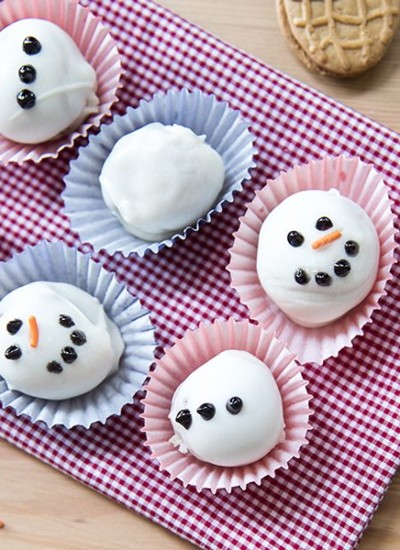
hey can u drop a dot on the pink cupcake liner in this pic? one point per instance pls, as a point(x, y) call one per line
point(189, 353)
point(97, 46)
point(360, 183)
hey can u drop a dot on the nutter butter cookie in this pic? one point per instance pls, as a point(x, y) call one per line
point(340, 38)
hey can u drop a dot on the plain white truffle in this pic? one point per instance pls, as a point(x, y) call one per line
point(160, 179)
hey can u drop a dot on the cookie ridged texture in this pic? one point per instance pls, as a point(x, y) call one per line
point(339, 37)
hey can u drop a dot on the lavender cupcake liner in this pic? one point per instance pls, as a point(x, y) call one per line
point(58, 263)
point(225, 131)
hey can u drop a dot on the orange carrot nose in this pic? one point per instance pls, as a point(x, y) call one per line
point(326, 239)
point(33, 332)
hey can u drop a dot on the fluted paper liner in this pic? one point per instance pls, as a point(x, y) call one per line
point(225, 131)
point(189, 353)
point(360, 183)
point(58, 263)
point(97, 46)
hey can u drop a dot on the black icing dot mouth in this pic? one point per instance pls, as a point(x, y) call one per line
point(323, 223)
point(78, 337)
point(27, 74)
point(342, 268)
point(323, 279)
point(14, 326)
point(54, 367)
point(31, 45)
point(301, 276)
point(13, 353)
point(66, 321)
point(26, 99)
point(352, 248)
point(69, 355)
point(295, 239)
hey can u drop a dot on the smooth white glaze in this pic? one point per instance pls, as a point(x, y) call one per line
point(64, 86)
point(160, 179)
point(229, 439)
point(310, 304)
point(96, 359)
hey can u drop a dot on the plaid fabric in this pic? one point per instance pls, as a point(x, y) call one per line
point(328, 496)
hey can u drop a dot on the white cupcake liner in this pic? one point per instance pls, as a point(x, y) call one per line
point(188, 354)
point(58, 263)
point(225, 131)
point(360, 183)
point(96, 45)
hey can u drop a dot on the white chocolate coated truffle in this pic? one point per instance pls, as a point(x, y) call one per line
point(228, 412)
point(56, 341)
point(160, 179)
point(47, 86)
point(318, 256)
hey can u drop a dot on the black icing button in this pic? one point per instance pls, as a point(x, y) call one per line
point(14, 326)
point(301, 276)
point(26, 99)
point(31, 45)
point(323, 224)
point(342, 268)
point(27, 74)
point(206, 411)
point(352, 248)
point(78, 337)
point(295, 238)
point(13, 353)
point(54, 367)
point(184, 418)
point(234, 405)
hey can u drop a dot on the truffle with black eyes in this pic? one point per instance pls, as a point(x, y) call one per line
point(228, 412)
point(318, 256)
point(56, 341)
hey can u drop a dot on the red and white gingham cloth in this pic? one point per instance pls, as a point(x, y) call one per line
point(328, 496)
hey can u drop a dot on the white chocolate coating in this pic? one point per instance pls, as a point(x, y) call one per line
point(160, 179)
point(229, 439)
point(310, 304)
point(64, 86)
point(96, 358)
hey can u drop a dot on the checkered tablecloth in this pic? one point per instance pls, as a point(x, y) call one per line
point(328, 496)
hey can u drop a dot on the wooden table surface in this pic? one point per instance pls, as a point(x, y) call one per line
point(43, 509)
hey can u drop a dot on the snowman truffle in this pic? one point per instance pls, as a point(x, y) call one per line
point(318, 256)
point(160, 179)
point(229, 411)
point(56, 341)
point(48, 88)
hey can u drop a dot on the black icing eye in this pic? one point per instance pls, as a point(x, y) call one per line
point(184, 418)
point(342, 268)
point(31, 45)
point(295, 238)
point(13, 353)
point(323, 279)
point(69, 355)
point(301, 277)
point(27, 74)
point(26, 99)
point(54, 367)
point(14, 326)
point(206, 411)
point(352, 248)
point(234, 405)
point(66, 321)
point(323, 223)
point(78, 338)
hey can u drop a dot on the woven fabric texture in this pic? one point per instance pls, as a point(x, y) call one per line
point(327, 497)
